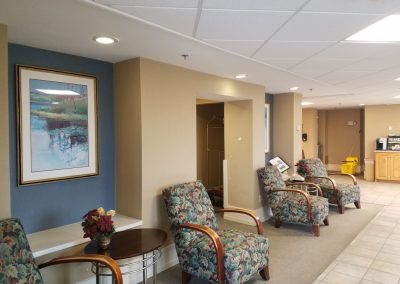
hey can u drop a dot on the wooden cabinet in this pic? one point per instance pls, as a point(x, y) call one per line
point(387, 165)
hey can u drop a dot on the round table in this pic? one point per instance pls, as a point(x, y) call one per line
point(129, 244)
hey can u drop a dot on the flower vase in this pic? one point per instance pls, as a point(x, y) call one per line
point(104, 242)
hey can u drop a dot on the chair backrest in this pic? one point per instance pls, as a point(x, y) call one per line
point(271, 179)
point(189, 203)
point(315, 166)
point(17, 264)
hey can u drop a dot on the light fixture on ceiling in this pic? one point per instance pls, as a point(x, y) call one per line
point(306, 103)
point(362, 104)
point(385, 30)
point(105, 39)
point(295, 88)
point(241, 76)
point(397, 79)
point(397, 97)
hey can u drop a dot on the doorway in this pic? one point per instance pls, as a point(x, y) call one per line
point(211, 148)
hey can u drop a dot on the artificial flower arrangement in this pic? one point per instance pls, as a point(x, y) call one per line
point(98, 223)
point(303, 169)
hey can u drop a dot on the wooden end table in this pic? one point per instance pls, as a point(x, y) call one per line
point(129, 244)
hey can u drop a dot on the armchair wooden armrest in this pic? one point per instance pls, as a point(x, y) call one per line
point(246, 212)
point(219, 250)
point(349, 175)
point(105, 260)
point(332, 181)
point(305, 194)
point(306, 183)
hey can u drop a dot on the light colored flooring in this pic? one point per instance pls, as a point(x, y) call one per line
point(374, 255)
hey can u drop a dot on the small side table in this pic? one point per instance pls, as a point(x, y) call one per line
point(309, 188)
point(129, 244)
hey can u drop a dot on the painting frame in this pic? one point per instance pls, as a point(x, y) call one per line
point(57, 125)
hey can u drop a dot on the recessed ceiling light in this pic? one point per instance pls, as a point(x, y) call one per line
point(397, 97)
point(385, 30)
point(105, 39)
point(397, 79)
point(306, 103)
point(240, 76)
point(295, 88)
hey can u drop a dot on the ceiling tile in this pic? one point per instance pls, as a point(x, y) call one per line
point(324, 26)
point(151, 3)
point(342, 76)
point(353, 6)
point(280, 62)
point(180, 20)
point(242, 47)
point(348, 50)
point(291, 49)
point(318, 67)
point(290, 5)
point(371, 65)
point(239, 25)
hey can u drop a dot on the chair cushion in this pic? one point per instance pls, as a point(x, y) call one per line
point(271, 179)
point(244, 254)
point(189, 203)
point(315, 166)
point(17, 264)
point(294, 209)
point(345, 194)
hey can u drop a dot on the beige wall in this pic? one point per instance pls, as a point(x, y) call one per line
point(342, 140)
point(168, 133)
point(323, 142)
point(5, 203)
point(209, 165)
point(238, 134)
point(287, 118)
point(128, 132)
point(377, 122)
point(310, 127)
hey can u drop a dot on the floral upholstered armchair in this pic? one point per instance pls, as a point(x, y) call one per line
point(293, 205)
point(314, 170)
point(218, 256)
point(17, 264)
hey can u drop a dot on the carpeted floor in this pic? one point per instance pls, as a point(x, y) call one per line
point(296, 256)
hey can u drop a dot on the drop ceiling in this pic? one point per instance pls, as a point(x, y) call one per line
point(278, 43)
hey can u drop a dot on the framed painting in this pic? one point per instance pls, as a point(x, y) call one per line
point(57, 125)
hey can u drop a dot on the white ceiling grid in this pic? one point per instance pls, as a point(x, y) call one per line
point(278, 43)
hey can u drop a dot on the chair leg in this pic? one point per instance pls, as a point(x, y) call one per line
point(315, 230)
point(277, 222)
point(186, 277)
point(264, 273)
point(357, 204)
point(326, 221)
point(340, 208)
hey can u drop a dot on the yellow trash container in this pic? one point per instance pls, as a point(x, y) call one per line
point(349, 166)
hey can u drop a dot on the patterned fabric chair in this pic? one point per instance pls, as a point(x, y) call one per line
point(293, 205)
point(337, 193)
point(218, 256)
point(17, 264)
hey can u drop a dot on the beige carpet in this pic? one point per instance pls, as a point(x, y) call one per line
point(296, 256)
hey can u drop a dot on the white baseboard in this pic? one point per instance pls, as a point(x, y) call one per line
point(168, 259)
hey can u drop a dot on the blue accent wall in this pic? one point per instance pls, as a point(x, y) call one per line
point(48, 205)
